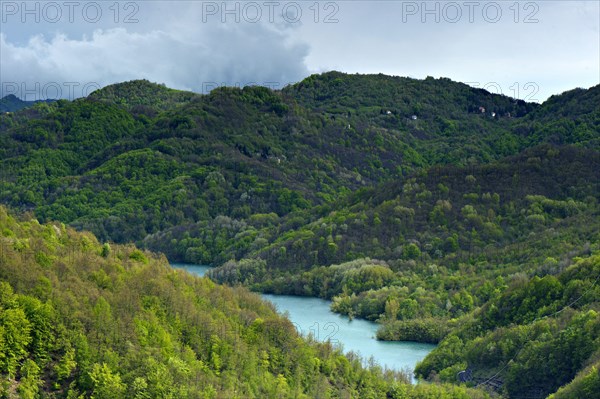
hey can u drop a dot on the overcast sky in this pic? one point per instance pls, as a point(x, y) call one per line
point(525, 49)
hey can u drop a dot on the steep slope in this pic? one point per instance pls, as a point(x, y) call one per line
point(80, 319)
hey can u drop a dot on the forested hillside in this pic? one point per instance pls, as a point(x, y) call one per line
point(137, 159)
point(448, 214)
point(499, 263)
point(81, 319)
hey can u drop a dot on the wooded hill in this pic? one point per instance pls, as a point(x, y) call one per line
point(81, 319)
point(418, 203)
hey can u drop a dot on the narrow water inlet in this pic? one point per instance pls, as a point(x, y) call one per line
point(313, 316)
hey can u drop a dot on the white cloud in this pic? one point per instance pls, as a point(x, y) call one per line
point(558, 52)
point(183, 46)
point(199, 57)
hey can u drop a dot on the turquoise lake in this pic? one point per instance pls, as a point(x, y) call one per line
point(312, 316)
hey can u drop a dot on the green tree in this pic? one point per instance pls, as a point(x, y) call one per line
point(411, 251)
point(16, 336)
point(106, 383)
point(30, 380)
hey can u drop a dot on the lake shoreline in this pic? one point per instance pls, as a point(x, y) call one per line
point(313, 316)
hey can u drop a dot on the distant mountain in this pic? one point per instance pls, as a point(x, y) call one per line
point(12, 103)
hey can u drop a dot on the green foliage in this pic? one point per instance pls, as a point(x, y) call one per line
point(137, 256)
point(11, 103)
point(438, 270)
point(411, 251)
point(535, 321)
point(30, 380)
point(155, 332)
point(137, 161)
point(16, 336)
point(107, 385)
point(105, 250)
point(453, 226)
point(585, 385)
point(428, 330)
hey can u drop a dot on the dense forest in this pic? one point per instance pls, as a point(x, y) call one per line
point(81, 319)
point(446, 213)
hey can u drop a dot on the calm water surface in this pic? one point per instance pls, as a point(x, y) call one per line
point(312, 316)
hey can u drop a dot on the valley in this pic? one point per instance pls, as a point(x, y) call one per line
point(445, 214)
point(312, 316)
